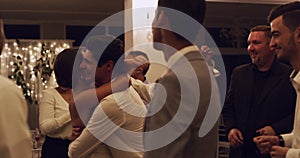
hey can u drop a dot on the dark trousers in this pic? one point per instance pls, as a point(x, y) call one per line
point(246, 151)
point(55, 148)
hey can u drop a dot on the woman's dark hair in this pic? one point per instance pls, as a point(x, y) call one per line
point(63, 67)
point(137, 53)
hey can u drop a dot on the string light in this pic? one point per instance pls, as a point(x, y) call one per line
point(24, 56)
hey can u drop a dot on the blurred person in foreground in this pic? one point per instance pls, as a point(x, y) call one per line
point(15, 135)
point(176, 109)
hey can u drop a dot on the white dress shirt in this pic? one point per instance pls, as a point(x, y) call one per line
point(292, 139)
point(106, 133)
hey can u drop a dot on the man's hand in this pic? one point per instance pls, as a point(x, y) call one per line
point(267, 130)
point(278, 152)
point(134, 63)
point(235, 138)
point(121, 82)
point(76, 131)
point(265, 143)
point(207, 52)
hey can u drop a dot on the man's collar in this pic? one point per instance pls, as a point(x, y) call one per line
point(295, 75)
point(175, 57)
point(188, 49)
point(295, 78)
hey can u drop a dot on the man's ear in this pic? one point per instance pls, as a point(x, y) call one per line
point(109, 65)
point(297, 35)
point(163, 21)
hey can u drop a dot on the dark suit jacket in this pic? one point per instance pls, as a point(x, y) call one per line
point(277, 102)
point(179, 84)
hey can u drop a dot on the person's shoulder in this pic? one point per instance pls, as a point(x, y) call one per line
point(286, 68)
point(242, 67)
point(6, 82)
point(9, 87)
point(111, 105)
point(194, 55)
point(108, 99)
point(50, 91)
point(9, 90)
point(170, 77)
point(113, 99)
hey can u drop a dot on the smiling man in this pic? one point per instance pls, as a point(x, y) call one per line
point(106, 134)
point(285, 26)
point(15, 135)
point(260, 99)
point(88, 65)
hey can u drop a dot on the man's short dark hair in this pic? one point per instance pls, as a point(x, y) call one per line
point(291, 19)
point(264, 28)
point(137, 53)
point(63, 67)
point(107, 48)
point(290, 14)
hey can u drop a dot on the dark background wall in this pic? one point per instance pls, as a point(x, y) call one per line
point(227, 23)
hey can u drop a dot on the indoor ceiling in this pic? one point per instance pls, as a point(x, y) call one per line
point(90, 6)
point(254, 1)
point(58, 10)
point(78, 10)
point(102, 6)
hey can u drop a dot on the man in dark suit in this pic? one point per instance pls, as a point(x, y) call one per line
point(177, 109)
point(260, 99)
